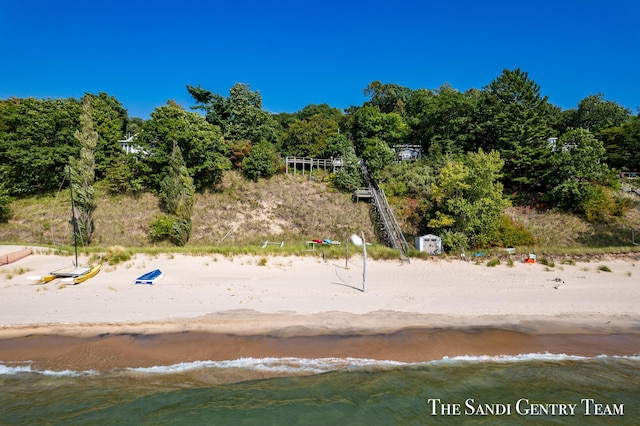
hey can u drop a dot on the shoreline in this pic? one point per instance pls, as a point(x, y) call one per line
point(108, 352)
point(305, 306)
point(241, 334)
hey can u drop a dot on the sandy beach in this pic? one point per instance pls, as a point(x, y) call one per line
point(217, 307)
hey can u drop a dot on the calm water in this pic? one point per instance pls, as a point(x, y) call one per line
point(526, 389)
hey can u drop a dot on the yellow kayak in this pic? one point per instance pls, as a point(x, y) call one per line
point(39, 279)
point(82, 278)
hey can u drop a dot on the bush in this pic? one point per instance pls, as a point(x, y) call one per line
point(5, 205)
point(454, 240)
point(117, 254)
point(599, 206)
point(493, 262)
point(349, 177)
point(161, 228)
point(170, 228)
point(181, 231)
point(511, 234)
point(262, 162)
point(546, 262)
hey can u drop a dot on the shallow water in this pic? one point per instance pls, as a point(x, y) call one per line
point(328, 391)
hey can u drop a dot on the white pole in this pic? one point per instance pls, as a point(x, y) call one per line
point(364, 267)
point(346, 256)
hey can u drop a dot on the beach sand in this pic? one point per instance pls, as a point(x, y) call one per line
point(214, 307)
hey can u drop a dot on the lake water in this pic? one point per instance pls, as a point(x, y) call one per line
point(537, 388)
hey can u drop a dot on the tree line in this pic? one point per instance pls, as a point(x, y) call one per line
point(482, 150)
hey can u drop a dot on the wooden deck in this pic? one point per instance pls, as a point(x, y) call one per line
point(308, 165)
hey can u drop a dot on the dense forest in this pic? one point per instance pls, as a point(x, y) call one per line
point(469, 154)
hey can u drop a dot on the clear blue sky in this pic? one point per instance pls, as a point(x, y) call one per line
point(297, 53)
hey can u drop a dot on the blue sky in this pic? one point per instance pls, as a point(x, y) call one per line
point(297, 53)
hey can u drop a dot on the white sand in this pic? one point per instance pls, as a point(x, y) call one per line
point(219, 294)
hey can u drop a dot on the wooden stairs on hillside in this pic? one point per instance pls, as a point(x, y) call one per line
point(389, 226)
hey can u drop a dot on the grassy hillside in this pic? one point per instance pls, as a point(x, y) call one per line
point(286, 208)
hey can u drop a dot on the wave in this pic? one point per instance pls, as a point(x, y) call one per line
point(6, 370)
point(273, 365)
point(297, 366)
point(537, 356)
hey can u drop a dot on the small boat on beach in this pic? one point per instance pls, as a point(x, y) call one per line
point(78, 275)
point(150, 277)
point(73, 274)
point(70, 275)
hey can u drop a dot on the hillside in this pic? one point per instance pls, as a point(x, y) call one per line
point(283, 208)
point(286, 208)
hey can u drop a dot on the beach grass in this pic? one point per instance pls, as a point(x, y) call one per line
point(240, 216)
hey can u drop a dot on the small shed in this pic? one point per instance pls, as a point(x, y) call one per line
point(429, 243)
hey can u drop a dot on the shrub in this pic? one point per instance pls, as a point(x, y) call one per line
point(454, 240)
point(598, 206)
point(170, 228)
point(181, 231)
point(511, 234)
point(5, 205)
point(493, 262)
point(604, 268)
point(238, 151)
point(546, 262)
point(117, 254)
point(262, 161)
point(160, 229)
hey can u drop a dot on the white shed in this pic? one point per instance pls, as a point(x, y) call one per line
point(429, 243)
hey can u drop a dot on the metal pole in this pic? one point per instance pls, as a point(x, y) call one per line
point(364, 267)
point(346, 259)
point(74, 224)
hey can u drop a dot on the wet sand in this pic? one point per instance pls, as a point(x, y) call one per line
point(117, 351)
point(218, 308)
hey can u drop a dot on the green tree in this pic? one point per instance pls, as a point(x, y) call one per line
point(441, 122)
point(387, 97)
point(324, 110)
point(349, 177)
point(310, 137)
point(369, 124)
point(127, 174)
point(622, 144)
point(240, 116)
point(262, 161)
point(83, 174)
point(513, 118)
point(177, 192)
point(467, 201)
point(36, 140)
point(377, 156)
point(595, 113)
point(577, 168)
point(5, 203)
point(407, 184)
point(201, 145)
point(110, 120)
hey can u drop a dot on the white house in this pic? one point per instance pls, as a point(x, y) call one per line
point(129, 146)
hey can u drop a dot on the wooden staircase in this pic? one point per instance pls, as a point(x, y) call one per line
point(389, 227)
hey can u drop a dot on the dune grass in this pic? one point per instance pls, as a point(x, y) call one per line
point(239, 216)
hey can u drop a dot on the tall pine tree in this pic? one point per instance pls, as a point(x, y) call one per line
point(513, 119)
